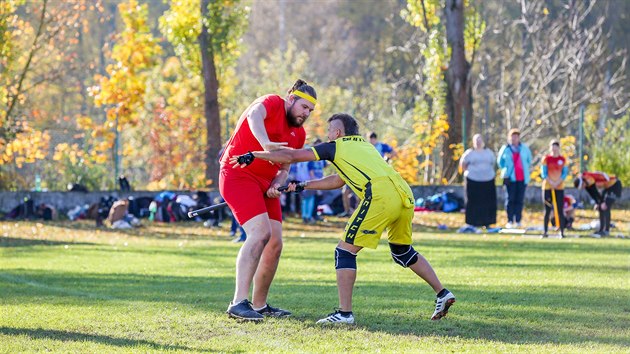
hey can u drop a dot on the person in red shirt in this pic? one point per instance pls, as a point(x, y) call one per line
point(554, 171)
point(270, 122)
point(611, 190)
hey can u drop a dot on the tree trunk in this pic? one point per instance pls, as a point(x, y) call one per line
point(459, 93)
point(211, 102)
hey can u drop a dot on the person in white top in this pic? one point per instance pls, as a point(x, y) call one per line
point(479, 167)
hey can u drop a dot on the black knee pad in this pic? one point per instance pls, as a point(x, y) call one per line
point(404, 255)
point(345, 259)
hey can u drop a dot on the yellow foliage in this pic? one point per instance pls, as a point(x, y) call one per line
point(406, 163)
point(27, 147)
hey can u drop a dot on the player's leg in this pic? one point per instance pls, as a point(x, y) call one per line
point(258, 230)
point(548, 209)
point(399, 237)
point(510, 195)
point(363, 230)
point(608, 214)
point(519, 202)
point(268, 264)
point(560, 209)
point(346, 271)
point(244, 196)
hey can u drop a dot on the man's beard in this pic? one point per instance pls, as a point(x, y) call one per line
point(292, 119)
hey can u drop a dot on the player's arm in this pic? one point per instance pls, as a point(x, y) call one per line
point(283, 156)
point(501, 158)
point(279, 180)
point(256, 121)
point(326, 183)
point(463, 165)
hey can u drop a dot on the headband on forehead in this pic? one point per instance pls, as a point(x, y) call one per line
point(305, 96)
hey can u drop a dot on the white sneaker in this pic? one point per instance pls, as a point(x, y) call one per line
point(508, 225)
point(518, 225)
point(336, 317)
point(442, 305)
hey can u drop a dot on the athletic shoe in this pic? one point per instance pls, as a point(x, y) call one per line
point(518, 225)
point(336, 317)
point(244, 311)
point(598, 234)
point(508, 225)
point(544, 235)
point(270, 311)
point(442, 304)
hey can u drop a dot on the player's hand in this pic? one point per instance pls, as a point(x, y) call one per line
point(295, 186)
point(270, 146)
point(273, 191)
point(242, 160)
point(603, 206)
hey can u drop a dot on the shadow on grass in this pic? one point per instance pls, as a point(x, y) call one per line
point(555, 315)
point(68, 336)
point(152, 230)
point(518, 315)
point(27, 242)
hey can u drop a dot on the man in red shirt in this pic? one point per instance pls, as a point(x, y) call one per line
point(270, 122)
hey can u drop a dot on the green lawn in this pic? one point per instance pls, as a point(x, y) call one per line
point(66, 287)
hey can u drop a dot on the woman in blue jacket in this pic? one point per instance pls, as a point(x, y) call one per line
point(514, 160)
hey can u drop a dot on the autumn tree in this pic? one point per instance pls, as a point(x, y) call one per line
point(38, 50)
point(122, 90)
point(206, 34)
point(461, 34)
point(547, 62)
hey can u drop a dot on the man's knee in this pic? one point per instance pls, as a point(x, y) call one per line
point(274, 246)
point(345, 259)
point(259, 239)
point(404, 255)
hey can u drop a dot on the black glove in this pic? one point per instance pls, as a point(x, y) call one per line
point(246, 159)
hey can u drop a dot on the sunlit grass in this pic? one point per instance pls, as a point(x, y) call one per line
point(67, 287)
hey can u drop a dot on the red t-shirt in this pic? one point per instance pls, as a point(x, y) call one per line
point(278, 130)
point(519, 173)
point(554, 169)
point(600, 179)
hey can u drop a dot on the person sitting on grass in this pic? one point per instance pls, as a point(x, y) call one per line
point(386, 203)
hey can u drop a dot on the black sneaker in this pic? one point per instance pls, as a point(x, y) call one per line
point(244, 311)
point(270, 311)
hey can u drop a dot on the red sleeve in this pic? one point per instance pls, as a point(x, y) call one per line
point(273, 104)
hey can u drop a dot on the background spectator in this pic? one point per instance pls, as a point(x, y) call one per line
point(515, 160)
point(478, 166)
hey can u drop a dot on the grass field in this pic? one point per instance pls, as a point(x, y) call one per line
point(67, 287)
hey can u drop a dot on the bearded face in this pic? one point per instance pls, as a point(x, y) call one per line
point(293, 119)
point(298, 112)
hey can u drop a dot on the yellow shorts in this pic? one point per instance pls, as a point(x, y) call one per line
point(388, 204)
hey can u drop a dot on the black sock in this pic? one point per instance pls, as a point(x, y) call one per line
point(442, 293)
point(345, 313)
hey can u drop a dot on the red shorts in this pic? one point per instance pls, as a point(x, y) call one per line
point(245, 195)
